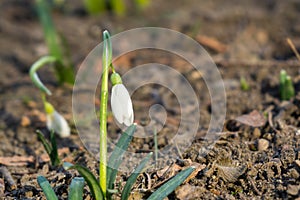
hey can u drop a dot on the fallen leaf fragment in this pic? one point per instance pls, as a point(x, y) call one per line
point(254, 119)
point(212, 43)
point(16, 160)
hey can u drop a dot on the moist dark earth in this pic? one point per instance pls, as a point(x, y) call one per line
point(252, 159)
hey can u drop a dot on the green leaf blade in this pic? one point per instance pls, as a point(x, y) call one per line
point(54, 153)
point(89, 178)
point(76, 189)
point(46, 187)
point(45, 143)
point(171, 185)
point(116, 156)
point(132, 178)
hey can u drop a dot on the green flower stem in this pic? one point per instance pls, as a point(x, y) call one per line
point(106, 61)
point(33, 75)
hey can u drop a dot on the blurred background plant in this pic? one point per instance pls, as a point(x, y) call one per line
point(57, 45)
point(118, 7)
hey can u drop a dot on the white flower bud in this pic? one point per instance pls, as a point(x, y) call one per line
point(121, 105)
point(56, 122)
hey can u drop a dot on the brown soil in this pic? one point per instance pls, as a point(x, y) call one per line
point(245, 163)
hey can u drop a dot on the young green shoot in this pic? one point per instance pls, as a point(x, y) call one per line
point(46, 187)
point(75, 193)
point(286, 87)
point(51, 148)
point(55, 121)
point(244, 84)
point(63, 67)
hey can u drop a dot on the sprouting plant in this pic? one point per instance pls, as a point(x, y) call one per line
point(286, 87)
point(63, 67)
point(123, 113)
point(117, 6)
point(55, 121)
point(51, 148)
point(244, 84)
point(75, 192)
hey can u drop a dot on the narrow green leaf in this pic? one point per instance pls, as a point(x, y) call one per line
point(45, 143)
point(89, 178)
point(132, 178)
point(54, 153)
point(76, 189)
point(46, 187)
point(115, 159)
point(171, 185)
point(282, 81)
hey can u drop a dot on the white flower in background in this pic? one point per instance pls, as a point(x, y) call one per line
point(121, 104)
point(56, 121)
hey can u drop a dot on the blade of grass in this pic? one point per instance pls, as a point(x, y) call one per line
point(54, 153)
point(46, 187)
point(171, 185)
point(132, 178)
point(115, 159)
point(89, 178)
point(76, 189)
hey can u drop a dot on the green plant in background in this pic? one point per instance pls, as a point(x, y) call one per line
point(55, 121)
point(63, 67)
point(75, 192)
point(123, 113)
point(51, 148)
point(286, 87)
point(244, 84)
point(117, 6)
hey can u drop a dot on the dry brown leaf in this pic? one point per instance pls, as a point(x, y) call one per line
point(16, 160)
point(212, 43)
point(230, 174)
point(254, 119)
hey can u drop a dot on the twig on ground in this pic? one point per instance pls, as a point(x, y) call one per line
point(7, 176)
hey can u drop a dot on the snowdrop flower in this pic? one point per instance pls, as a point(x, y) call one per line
point(121, 104)
point(56, 121)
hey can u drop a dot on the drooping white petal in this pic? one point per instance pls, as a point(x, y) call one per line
point(58, 124)
point(121, 105)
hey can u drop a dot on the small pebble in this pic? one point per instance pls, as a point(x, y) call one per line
point(293, 189)
point(297, 162)
point(256, 133)
point(262, 144)
point(294, 174)
point(25, 121)
point(28, 193)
